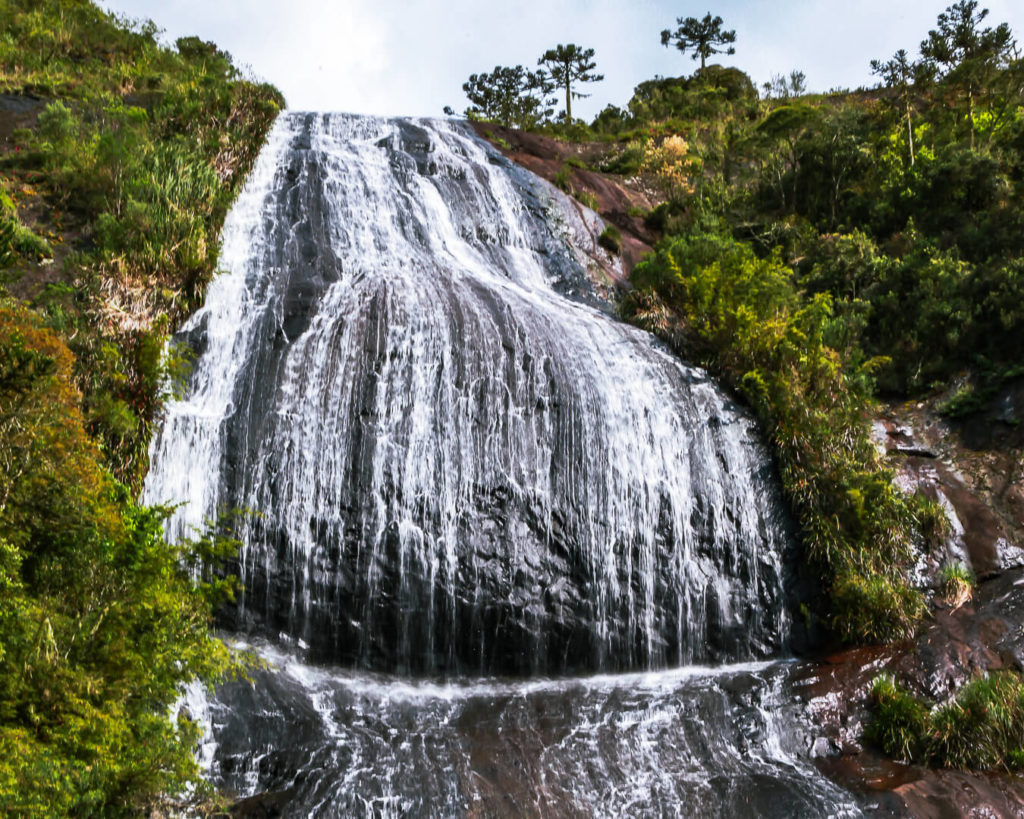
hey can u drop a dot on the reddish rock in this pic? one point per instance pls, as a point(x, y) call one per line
point(615, 195)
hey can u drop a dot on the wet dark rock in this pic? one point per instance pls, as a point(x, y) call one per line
point(521, 537)
point(973, 467)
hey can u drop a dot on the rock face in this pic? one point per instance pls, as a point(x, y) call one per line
point(974, 468)
point(981, 636)
point(461, 463)
point(617, 199)
point(721, 742)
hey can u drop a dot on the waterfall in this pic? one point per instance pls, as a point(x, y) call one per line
point(460, 461)
point(494, 532)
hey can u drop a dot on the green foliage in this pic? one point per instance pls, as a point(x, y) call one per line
point(955, 574)
point(143, 150)
point(17, 242)
point(562, 179)
point(101, 621)
point(956, 584)
point(711, 92)
point(900, 721)
point(136, 156)
point(610, 239)
point(980, 728)
point(568, 65)
point(745, 317)
point(703, 37)
point(626, 162)
point(510, 96)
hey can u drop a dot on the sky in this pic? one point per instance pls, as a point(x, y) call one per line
point(410, 57)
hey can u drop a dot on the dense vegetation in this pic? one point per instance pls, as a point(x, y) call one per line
point(821, 250)
point(112, 193)
point(981, 727)
point(138, 151)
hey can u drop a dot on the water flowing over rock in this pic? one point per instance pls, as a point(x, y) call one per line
point(469, 479)
point(695, 741)
point(461, 463)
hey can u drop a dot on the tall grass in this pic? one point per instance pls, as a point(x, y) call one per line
point(980, 728)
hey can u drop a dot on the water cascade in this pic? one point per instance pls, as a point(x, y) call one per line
point(476, 490)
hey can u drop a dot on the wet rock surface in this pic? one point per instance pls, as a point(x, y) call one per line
point(461, 462)
point(618, 198)
point(720, 742)
point(974, 467)
point(986, 634)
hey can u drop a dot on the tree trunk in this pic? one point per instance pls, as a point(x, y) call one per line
point(568, 102)
point(970, 113)
point(910, 137)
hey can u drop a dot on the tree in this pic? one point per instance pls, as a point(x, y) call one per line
point(101, 621)
point(966, 55)
point(570, 64)
point(787, 125)
point(782, 88)
point(702, 37)
point(509, 95)
point(900, 75)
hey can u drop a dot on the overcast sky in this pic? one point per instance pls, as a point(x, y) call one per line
point(412, 56)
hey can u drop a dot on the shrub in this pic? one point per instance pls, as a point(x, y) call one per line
point(956, 584)
point(744, 317)
point(610, 239)
point(101, 621)
point(900, 721)
point(980, 728)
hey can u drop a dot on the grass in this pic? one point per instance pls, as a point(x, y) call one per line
point(138, 153)
point(610, 239)
point(956, 584)
point(980, 728)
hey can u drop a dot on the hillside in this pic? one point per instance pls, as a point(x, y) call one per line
point(852, 265)
point(119, 158)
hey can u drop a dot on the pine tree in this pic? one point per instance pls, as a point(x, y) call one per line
point(702, 37)
point(570, 64)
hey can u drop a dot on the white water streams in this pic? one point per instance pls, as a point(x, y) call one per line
point(697, 741)
point(460, 462)
point(470, 479)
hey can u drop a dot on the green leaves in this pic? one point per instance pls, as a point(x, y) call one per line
point(101, 621)
point(703, 37)
point(745, 317)
point(980, 728)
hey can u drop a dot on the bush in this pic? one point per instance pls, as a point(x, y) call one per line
point(900, 722)
point(101, 621)
point(145, 149)
point(956, 584)
point(746, 319)
point(980, 728)
point(610, 239)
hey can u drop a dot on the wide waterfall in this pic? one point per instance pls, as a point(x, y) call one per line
point(458, 464)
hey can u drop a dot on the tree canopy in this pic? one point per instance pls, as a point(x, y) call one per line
point(509, 95)
point(569, 64)
point(703, 37)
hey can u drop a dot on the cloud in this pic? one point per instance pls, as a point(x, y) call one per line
point(412, 56)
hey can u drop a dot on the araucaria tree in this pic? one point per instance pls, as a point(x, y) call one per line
point(510, 95)
point(965, 55)
point(900, 74)
point(569, 64)
point(702, 37)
